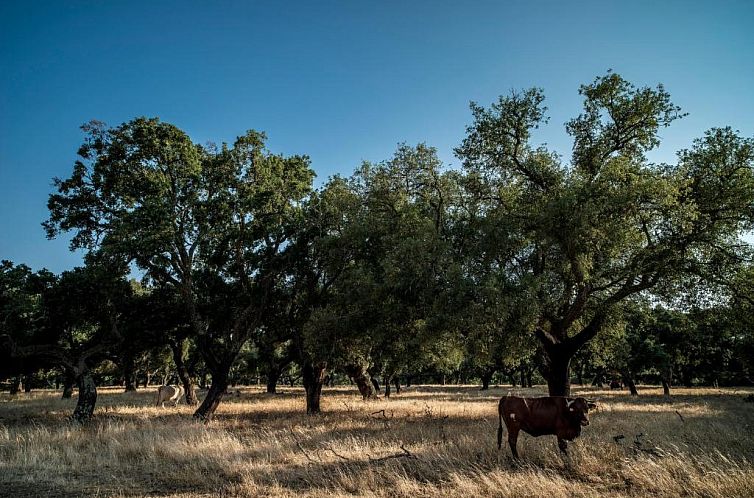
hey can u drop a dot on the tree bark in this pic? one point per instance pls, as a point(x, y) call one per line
point(87, 398)
point(129, 373)
point(667, 379)
point(557, 369)
point(273, 374)
point(523, 376)
point(486, 377)
point(687, 377)
point(629, 381)
point(15, 384)
point(69, 379)
point(597, 381)
point(27, 382)
point(183, 373)
point(580, 375)
point(387, 386)
point(314, 378)
point(376, 385)
point(220, 377)
point(360, 377)
point(397, 382)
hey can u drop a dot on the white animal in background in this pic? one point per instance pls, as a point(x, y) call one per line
point(169, 394)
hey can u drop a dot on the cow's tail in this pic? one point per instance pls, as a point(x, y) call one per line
point(500, 429)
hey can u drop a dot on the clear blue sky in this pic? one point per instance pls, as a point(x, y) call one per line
point(339, 81)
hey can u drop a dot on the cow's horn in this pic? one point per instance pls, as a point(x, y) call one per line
point(569, 402)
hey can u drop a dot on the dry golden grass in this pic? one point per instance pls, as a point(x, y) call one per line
point(264, 445)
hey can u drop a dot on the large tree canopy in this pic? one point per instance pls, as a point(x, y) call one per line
point(588, 233)
point(210, 222)
point(522, 257)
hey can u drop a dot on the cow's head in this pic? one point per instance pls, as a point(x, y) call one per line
point(578, 409)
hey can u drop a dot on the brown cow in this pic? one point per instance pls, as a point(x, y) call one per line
point(551, 415)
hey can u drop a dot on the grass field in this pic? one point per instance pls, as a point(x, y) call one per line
point(428, 441)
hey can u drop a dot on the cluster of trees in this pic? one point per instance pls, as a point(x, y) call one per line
point(520, 263)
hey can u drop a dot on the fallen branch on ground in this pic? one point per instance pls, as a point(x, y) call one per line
point(405, 453)
point(298, 443)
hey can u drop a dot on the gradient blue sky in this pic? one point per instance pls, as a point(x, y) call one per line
point(340, 81)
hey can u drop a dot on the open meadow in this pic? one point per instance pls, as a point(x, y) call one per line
point(427, 441)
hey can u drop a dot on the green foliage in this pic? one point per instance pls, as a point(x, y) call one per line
point(406, 266)
point(584, 236)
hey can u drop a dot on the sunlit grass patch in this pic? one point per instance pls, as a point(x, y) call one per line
point(427, 441)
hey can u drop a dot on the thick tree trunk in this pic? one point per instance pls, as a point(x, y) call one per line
point(376, 385)
point(486, 377)
point(273, 374)
point(215, 394)
point(557, 370)
point(597, 381)
point(129, 373)
point(87, 398)
point(15, 384)
point(558, 382)
point(314, 378)
point(665, 388)
point(397, 382)
point(667, 381)
point(183, 373)
point(69, 379)
point(359, 376)
point(387, 387)
point(687, 377)
point(628, 381)
point(523, 377)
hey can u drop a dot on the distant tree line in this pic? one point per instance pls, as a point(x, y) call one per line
point(521, 266)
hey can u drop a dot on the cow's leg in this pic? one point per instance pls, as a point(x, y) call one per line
point(513, 439)
point(563, 445)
